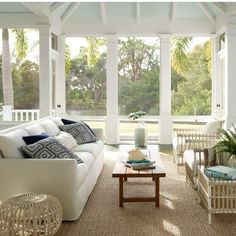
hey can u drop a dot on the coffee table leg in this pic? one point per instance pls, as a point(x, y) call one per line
point(121, 191)
point(157, 182)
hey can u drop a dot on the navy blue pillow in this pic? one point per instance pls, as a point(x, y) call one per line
point(31, 139)
point(69, 122)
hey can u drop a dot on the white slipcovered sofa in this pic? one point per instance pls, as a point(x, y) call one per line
point(69, 182)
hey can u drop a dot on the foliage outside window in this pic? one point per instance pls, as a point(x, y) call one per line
point(86, 76)
point(19, 68)
point(138, 75)
point(191, 76)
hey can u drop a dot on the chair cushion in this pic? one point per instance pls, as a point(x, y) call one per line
point(34, 138)
point(189, 159)
point(35, 129)
point(50, 127)
point(93, 148)
point(80, 132)
point(49, 148)
point(66, 139)
point(11, 142)
point(212, 127)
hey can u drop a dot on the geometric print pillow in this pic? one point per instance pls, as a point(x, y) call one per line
point(80, 132)
point(49, 148)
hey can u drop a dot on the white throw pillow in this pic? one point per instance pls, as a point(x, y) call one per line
point(212, 127)
point(57, 121)
point(10, 143)
point(35, 129)
point(66, 140)
point(50, 127)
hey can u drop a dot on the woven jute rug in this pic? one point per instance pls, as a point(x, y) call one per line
point(179, 212)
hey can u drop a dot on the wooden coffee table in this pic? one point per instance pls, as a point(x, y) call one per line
point(123, 173)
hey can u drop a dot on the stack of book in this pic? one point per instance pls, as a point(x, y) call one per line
point(221, 172)
point(145, 164)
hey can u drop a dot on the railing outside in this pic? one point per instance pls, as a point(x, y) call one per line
point(25, 115)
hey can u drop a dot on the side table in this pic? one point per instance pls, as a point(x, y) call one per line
point(219, 196)
point(30, 214)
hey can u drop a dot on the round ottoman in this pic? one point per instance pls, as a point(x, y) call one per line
point(30, 214)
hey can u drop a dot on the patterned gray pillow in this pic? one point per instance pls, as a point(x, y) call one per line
point(49, 148)
point(80, 132)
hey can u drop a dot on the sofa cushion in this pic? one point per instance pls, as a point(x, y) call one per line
point(35, 129)
point(80, 132)
point(86, 157)
point(11, 142)
point(50, 127)
point(212, 127)
point(66, 139)
point(49, 148)
point(30, 139)
point(93, 148)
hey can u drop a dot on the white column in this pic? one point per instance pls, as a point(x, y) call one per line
point(112, 123)
point(230, 73)
point(45, 73)
point(165, 130)
point(7, 113)
point(215, 87)
point(61, 80)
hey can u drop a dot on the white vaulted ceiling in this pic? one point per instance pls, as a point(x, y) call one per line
point(124, 17)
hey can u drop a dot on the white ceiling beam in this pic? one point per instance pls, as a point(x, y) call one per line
point(69, 11)
point(207, 11)
point(138, 12)
point(172, 11)
point(103, 12)
point(56, 6)
point(220, 6)
point(34, 7)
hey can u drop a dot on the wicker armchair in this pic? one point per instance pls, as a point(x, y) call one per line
point(189, 139)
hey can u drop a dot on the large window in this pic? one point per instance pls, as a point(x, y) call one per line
point(138, 80)
point(191, 76)
point(19, 68)
point(86, 76)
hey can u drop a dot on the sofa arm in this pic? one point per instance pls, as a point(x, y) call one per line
point(98, 132)
point(57, 177)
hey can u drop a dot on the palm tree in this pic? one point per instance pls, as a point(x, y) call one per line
point(21, 50)
point(180, 62)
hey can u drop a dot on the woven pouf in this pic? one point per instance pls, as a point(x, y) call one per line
point(30, 214)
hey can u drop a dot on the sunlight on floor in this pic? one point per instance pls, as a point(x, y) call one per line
point(171, 228)
point(168, 203)
point(168, 196)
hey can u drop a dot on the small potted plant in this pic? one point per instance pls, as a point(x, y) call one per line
point(137, 116)
point(140, 133)
point(227, 144)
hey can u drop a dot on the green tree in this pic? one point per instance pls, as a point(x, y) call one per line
point(194, 93)
point(138, 77)
point(21, 48)
point(26, 84)
point(135, 57)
